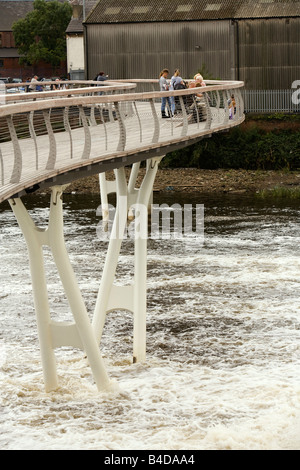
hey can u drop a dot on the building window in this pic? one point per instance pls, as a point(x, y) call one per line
point(0, 39)
point(1, 63)
point(112, 11)
point(184, 8)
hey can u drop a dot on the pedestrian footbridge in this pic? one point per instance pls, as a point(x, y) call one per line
point(51, 138)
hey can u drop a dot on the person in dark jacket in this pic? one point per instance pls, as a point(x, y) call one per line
point(101, 77)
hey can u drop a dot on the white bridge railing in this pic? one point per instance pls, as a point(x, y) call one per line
point(47, 134)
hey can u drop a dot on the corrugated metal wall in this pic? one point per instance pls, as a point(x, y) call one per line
point(269, 53)
point(142, 50)
point(264, 53)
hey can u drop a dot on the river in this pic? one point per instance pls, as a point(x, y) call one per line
point(223, 336)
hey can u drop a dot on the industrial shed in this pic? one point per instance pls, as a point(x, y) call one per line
point(231, 39)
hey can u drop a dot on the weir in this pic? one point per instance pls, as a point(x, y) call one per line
point(50, 139)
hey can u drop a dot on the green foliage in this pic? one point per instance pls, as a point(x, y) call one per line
point(251, 149)
point(41, 34)
point(275, 117)
point(279, 192)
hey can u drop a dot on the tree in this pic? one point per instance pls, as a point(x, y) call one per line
point(41, 34)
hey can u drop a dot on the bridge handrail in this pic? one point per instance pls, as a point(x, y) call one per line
point(70, 100)
point(90, 88)
point(69, 83)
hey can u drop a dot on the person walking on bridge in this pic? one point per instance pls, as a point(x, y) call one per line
point(165, 101)
point(33, 83)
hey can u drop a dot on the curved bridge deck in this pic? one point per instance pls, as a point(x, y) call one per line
point(55, 137)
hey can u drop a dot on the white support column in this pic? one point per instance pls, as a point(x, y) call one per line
point(77, 305)
point(128, 297)
point(133, 177)
point(35, 239)
point(106, 188)
point(112, 255)
point(140, 265)
point(81, 333)
point(55, 334)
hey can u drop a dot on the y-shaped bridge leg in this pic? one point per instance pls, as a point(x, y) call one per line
point(132, 297)
point(55, 334)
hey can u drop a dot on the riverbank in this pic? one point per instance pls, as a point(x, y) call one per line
point(262, 142)
point(204, 181)
point(260, 155)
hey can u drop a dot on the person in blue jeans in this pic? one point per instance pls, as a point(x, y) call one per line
point(165, 101)
point(176, 78)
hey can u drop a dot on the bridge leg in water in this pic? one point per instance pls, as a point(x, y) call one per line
point(79, 333)
point(132, 297)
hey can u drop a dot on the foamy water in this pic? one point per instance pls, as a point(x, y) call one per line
point(223, 338)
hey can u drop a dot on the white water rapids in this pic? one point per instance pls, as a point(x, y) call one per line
point(223, 337)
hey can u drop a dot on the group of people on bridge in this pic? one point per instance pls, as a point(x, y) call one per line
point(171, 105)
point(36, 85)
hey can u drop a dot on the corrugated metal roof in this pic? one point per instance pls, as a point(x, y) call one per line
point(136, 11)
point(269, 9)
point(13, 11)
